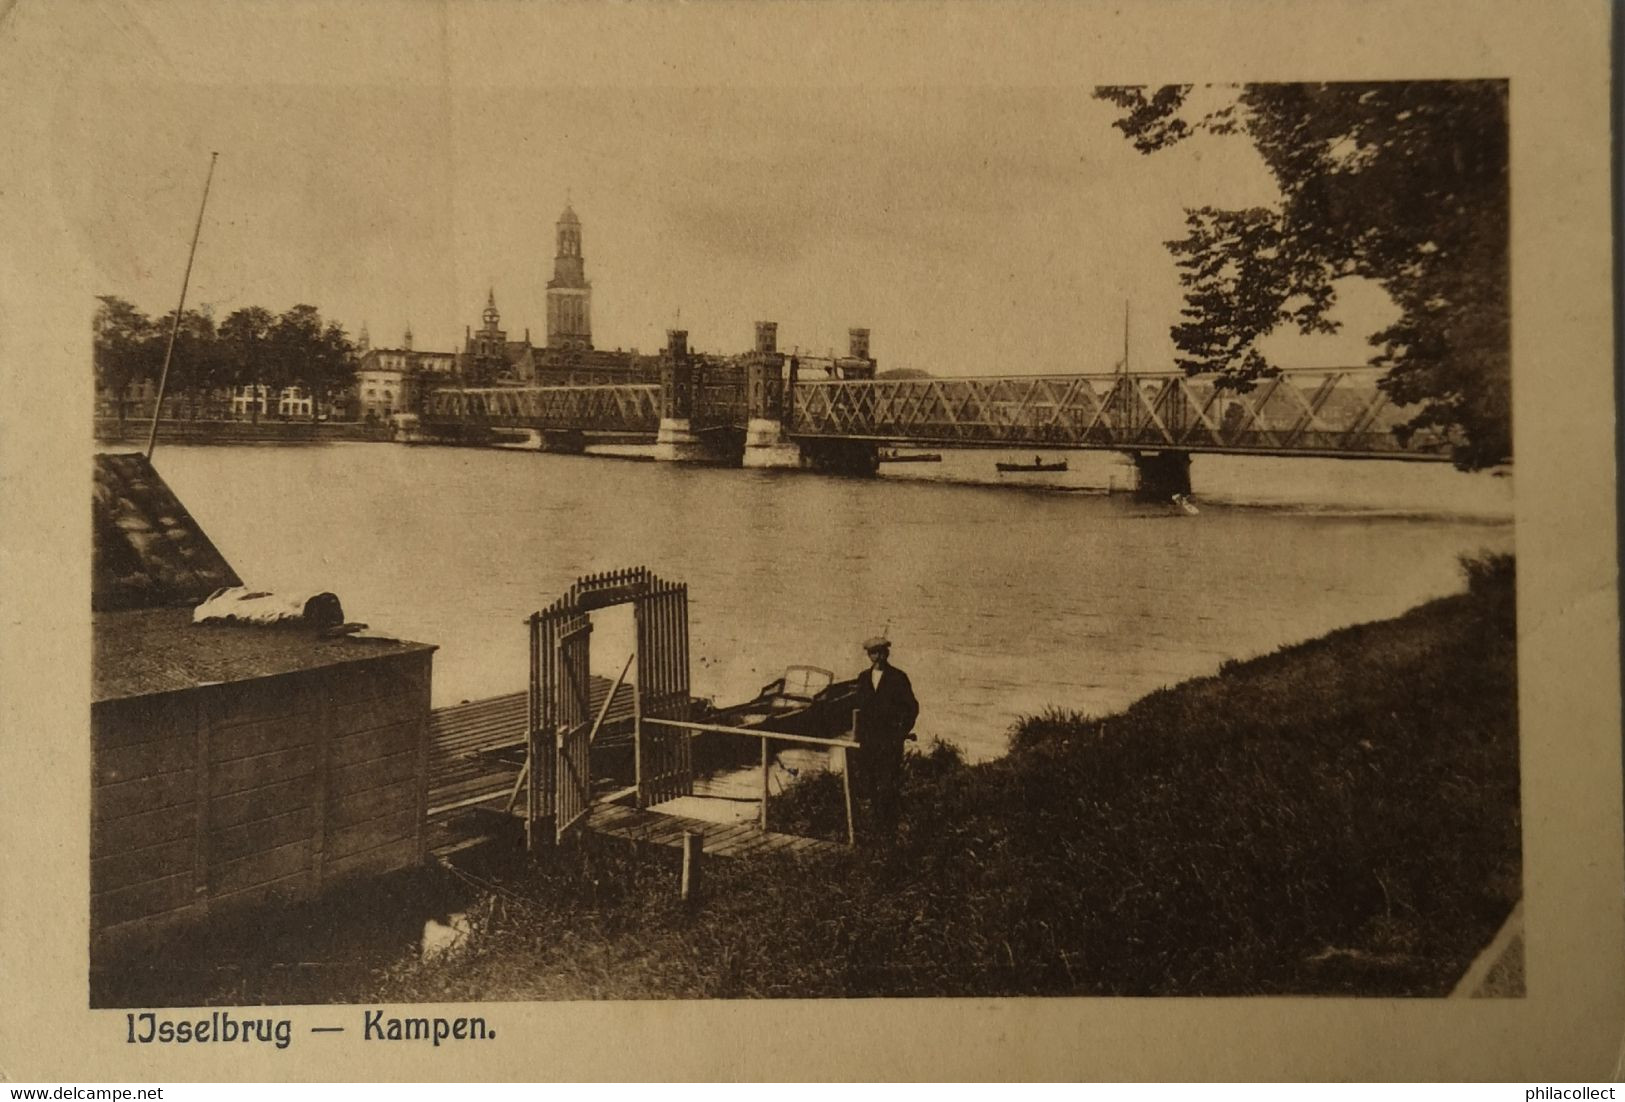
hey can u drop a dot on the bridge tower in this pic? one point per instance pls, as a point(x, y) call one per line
point(676, 441)
point(836, 455)
point(857, 363)
point(765, 398)
point(569, 295)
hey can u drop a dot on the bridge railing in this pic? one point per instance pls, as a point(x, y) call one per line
point(1337, 412)
point(765, 737)
point(623, 407)
point(719, 400)
point(1325, 411)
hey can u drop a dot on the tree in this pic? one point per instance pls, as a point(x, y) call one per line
point(335, 363)
point(123, 347)
point(296, 338)
point(198, 364)
point(1403, 183)
point(252, 347)
point(311, 353)
point(246, 334)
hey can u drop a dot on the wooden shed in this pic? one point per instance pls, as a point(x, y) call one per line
point(233, 765)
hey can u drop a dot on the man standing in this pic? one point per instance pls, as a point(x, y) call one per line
point(886, 712)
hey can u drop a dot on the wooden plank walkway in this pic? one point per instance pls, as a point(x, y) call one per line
point(721, 839)
point(475, 751)
point(477, 747)
point(461, 738)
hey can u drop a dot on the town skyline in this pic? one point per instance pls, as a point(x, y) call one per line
point(973, 230)
point(1364, 309)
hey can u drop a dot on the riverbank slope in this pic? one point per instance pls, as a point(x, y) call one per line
point(1339, 817)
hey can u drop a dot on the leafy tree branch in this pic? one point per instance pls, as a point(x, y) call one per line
point(1403, 183)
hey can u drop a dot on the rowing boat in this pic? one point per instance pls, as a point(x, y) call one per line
point(1035, 465)
point(807, 700)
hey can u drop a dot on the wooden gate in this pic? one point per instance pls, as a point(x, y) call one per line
point(561, 720)
point(664, 765)
point(573, 775)
point(560, 780)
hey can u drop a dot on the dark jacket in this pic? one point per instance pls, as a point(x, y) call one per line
point(889, 711)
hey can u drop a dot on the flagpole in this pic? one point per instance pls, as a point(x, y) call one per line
point(1128, 406)
point(169, 349)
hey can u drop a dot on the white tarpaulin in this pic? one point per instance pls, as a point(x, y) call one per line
point(248, 606)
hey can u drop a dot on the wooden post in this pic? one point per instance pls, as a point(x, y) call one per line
point(846, 781)
point(846, 790)
point(534, 721)
point(640, 637)
point(518, 782)
point(637, 729)
point(764, 786)
point(693, 847)
point(609, 698)
point(559, 805)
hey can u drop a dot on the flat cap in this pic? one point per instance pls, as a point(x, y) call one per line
point(876, 642)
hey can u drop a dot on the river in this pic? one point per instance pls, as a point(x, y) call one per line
point(1001, 599)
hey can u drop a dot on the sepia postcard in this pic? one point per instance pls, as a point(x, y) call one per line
point(992, 541)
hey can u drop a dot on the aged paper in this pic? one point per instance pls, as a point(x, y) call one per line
point(702, 119)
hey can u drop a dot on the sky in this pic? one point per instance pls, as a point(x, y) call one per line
point(392, 171)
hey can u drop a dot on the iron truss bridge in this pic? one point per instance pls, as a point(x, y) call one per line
point(1337, 413)
point(1331, 412)
point(632, 408)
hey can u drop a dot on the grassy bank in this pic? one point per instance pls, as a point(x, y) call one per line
point(1340, 817)
point(1337, 817)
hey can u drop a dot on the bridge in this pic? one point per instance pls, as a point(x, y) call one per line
point(764, 412)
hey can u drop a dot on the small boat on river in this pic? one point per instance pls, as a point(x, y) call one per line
point(1027, 468)
point(806, 701)
point(894, 456)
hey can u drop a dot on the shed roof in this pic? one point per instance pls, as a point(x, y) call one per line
point(147, 549)
point(152, 563)
point(143, 651)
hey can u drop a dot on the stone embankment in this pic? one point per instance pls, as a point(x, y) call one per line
point(109, 430)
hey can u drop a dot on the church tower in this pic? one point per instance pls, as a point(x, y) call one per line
point(485, 352)
point(490, 341)
point(569, 295)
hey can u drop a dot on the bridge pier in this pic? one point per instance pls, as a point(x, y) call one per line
point(836, 456)
point(1161, 475)
point(676, 441)
point(564, 442)
point(767, 448)
point(766, 445)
